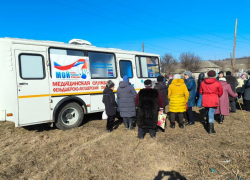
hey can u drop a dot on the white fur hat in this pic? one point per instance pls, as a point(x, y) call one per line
point(177, 76)
point(222, 79)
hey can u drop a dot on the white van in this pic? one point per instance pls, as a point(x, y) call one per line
point(45, 81)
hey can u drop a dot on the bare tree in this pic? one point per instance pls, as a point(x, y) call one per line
point(168, 63)
point(190, 61)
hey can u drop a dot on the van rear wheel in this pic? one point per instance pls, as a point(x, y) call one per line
point(69, 116)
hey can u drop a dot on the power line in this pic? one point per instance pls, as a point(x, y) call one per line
point(243, 37)
point(158, 17)
point(155, 25)
point(167, 20)
point(136, 26)
point(162, 47)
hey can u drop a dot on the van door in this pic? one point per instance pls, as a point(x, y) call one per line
point(126, 68)
point(33, 87)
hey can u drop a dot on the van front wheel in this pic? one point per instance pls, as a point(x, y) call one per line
point(69, 116)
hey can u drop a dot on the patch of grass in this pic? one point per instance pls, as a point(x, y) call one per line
point(89, 152)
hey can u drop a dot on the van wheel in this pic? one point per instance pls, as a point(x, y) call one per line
point(69, 116)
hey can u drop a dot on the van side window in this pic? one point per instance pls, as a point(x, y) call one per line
point(31, 66)
point(147, 67)
point(102, 65)
point(126, 68)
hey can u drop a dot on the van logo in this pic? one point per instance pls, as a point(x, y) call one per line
point(66, 72)
point(67, 67)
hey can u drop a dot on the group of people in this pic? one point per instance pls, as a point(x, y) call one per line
point(177, 97)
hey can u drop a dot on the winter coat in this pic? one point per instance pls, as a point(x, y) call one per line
point(162, 89)
point(211, 90)
point(160, 101)
point(178, 95)
point(198, 95)
point(240, 87)
point(109, 102)
point(223, 107)
point(148, 107)
point(200, 79)
point(233, 83)
point(191, 86)
point(126, 96)
point(247, 90)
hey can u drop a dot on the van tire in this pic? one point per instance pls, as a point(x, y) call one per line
point(69, 115)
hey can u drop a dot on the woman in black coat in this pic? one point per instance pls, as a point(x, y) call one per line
point(110, 104)
point(198, 95)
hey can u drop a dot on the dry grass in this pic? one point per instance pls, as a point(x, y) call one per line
point(89, 152)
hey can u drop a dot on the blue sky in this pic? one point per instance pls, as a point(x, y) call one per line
point(204, 27)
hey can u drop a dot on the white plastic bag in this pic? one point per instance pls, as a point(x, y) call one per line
point(104, 115)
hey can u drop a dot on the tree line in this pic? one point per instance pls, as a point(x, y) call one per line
point(187, 60)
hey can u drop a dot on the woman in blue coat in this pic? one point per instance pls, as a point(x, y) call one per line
point(191, 86)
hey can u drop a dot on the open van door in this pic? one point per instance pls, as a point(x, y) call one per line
point(33, 87)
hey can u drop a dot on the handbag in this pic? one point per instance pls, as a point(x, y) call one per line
point(104, 115)
point(162, 120)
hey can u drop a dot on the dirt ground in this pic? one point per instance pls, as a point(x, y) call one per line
point(89, 152)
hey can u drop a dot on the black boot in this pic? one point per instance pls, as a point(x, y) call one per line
point(221, 119)
point(218, 118)
point(172, 125)
point(126, 125)
point(131, 127)
point(181, 125)
point(211, 128)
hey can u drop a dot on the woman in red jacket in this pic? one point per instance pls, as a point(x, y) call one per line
point(211, 90)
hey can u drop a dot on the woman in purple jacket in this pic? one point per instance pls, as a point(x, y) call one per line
point(223, 109)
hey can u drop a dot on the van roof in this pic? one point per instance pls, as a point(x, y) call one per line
point(72, 46)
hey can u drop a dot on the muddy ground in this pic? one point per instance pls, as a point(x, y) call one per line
point(89, 152)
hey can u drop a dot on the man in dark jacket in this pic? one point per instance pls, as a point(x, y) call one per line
point(220, 75)
point(246, 96)
point(126, 101)
point(110, 104)
point(148, 101)
point(233, 83)
point(191, 86)
point(162, 89)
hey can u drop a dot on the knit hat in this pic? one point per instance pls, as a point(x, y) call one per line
point(110, 84)
point(148, 83)
point(125, 78)
point(160, 78)
point(188, 73)
point(177, 76)
point(221, 72)
point(228, 73)
point(211, 73)
point(222, 79)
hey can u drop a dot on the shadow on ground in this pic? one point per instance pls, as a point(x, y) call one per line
point(50, 126)
point(171, 175)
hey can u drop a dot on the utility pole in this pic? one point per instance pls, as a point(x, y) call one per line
point(231, 59)
point(142, 46)
point(235, 32)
